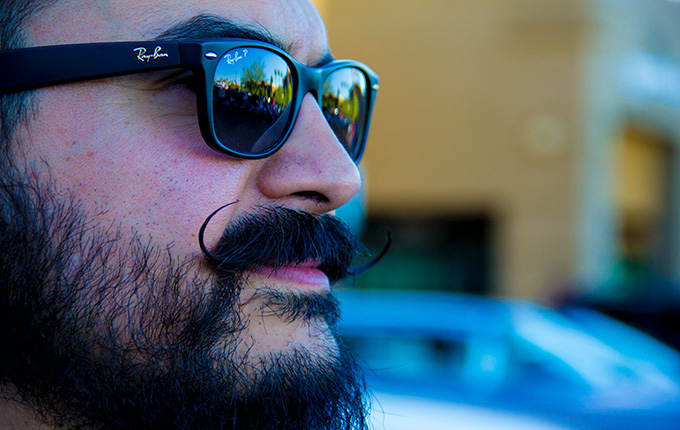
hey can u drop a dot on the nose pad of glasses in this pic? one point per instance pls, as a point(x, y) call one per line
point(315, 94)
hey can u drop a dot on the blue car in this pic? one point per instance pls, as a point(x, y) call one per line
point(571, 367)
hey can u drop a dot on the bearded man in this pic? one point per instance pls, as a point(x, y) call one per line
point(170, 171)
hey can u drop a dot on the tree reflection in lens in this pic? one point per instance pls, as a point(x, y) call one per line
point(252, 94)
point(344, 105)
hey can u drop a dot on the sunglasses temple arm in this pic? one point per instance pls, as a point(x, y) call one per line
point(29, 68)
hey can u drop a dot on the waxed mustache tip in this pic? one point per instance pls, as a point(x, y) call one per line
point(201, 231)
point(361, 269)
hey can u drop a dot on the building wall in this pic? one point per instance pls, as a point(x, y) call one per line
point(633, 80)
point(478, 111)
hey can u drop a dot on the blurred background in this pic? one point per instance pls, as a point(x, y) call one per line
point(523, 153)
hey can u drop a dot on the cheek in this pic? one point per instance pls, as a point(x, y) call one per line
point(144, 165)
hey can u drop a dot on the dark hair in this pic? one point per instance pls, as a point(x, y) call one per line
point(14, 108)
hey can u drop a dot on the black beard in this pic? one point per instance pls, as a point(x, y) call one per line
point(107, 333)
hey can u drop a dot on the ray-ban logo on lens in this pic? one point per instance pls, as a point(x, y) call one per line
point(236, 58)
point(144, 57)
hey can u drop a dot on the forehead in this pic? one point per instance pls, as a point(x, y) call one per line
point(295, 23)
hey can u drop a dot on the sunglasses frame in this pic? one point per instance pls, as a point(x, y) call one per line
point(35, 67)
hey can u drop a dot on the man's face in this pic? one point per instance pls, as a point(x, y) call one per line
point(128, 152)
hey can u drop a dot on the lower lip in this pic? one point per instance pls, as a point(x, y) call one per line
point(308, 277)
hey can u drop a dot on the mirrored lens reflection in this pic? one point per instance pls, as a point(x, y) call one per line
point(252, 95)
point(344, 106)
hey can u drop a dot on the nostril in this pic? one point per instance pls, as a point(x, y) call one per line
point(312, 195)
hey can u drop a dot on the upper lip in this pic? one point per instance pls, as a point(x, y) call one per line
point(309, 264)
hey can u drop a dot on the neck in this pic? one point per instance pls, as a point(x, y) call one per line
point(16, 416)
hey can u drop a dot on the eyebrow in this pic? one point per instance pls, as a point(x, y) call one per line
point(215, 27)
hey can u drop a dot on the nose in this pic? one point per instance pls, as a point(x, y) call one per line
point(312, 171)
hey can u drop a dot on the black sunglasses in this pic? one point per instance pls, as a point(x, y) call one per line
point(253, 90)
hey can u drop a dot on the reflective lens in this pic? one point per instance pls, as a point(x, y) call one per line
point(344, 106)
point(253, 102)
point(252, 95)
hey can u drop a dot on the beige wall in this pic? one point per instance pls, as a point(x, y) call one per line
point(478, 109)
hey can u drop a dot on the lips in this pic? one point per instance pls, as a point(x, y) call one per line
point(305, 276)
